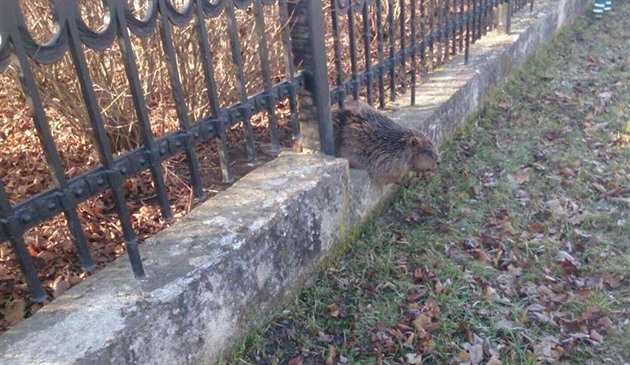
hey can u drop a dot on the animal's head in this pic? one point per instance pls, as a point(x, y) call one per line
point(426, 158)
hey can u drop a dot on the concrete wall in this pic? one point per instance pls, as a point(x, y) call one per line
point(225, 268)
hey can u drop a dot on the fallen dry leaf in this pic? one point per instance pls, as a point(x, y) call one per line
point(547, 349)
point(476, 354)
point(494, 361)
point(297, 360)
point(325, 337)
point(482, 256)
point(14, 311)
point(595, 336)
point(463, 356)
point(605, 322)
point(600, 188)
point(332, 354)
point(520, 177)
point(418, 275)
point(508, 228)
point(333, 310)
point(535, 227)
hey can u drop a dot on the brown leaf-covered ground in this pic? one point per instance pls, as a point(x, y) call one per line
point(517, 253)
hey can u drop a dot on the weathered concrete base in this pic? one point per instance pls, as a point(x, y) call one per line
point(226, 267)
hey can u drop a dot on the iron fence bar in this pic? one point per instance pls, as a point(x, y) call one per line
point(213, 97)
point(356, 85)
point(113, 174)
point(12, 231)
point(381, 53)
point(263, 53)
point(468, 21)
point(438, 31)
point(462, 26)
point(334, 13)
point(453, 14)
point(403, 47)
point(480, 9)
point(392, 50)
point(447, 29)
point(482, 18)
point(431, 34)
point(473, 14)
point(309, 52)
point(473, 25)
point(423, 41)
point(365, 16)
point(289, 68)
point(493, 14)
point(140, 106)
point(479, 15)
point(486, 17)
point(237, 59)
point(413, 52)
point(531, 6)
point(31, 93)
point(492, 10)
point(180, 101)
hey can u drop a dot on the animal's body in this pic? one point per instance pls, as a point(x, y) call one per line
point(373, 142)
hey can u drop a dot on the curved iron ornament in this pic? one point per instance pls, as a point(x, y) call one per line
point(56, 46)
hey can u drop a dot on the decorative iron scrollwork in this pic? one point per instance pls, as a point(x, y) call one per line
point(67, 13)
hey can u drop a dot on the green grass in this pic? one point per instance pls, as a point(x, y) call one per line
point(512, 245)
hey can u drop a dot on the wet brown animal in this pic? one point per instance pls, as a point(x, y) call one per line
point(387, 151)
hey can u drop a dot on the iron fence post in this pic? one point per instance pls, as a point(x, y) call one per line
point(309, 55)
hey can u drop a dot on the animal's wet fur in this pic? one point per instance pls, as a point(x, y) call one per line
point(387, 151)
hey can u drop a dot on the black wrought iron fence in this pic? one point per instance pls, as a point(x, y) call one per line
point(419, 36)
point(379, 48)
